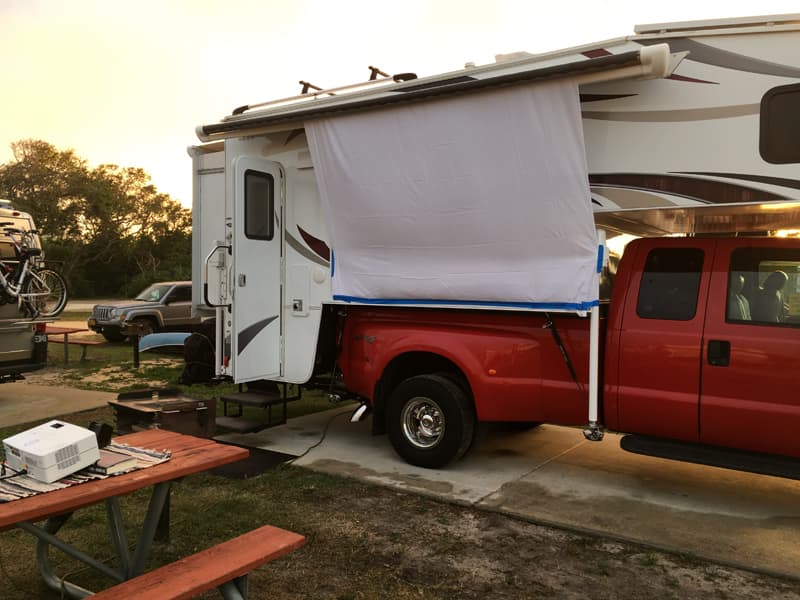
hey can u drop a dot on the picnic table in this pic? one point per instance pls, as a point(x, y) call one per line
point(66, 332)
point(189, 455)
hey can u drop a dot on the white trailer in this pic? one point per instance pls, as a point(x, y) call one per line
point(681, 114)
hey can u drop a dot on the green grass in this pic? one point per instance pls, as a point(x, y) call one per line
point(74, 316)
point(205, 509)
point(156, 369)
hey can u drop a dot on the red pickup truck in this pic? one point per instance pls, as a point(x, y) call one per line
point(700, 345)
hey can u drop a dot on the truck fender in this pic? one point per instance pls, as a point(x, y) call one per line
point(139, 314)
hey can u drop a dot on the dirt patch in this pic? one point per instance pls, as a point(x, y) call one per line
point(370, 542)
point(110, 378)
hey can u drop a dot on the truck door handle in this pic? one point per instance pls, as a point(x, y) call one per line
point(242, 280)
point(719, 353)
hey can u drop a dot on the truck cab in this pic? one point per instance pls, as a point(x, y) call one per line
point(702, 342)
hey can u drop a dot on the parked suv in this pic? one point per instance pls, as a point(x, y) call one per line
point(165, 306)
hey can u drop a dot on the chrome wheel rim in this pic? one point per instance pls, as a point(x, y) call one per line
point(423, 422)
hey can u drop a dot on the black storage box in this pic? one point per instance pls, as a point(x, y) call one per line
point(164, 409)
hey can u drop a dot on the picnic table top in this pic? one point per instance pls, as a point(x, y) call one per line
point(54, 329)
point(189, 455)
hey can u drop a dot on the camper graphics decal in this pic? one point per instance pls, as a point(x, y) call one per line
point(319, 251)
point(682, 185)
point(249, 333)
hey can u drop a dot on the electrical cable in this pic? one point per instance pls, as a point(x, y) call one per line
point(321, 439)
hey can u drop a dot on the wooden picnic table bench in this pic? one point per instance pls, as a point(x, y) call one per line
point(84, 344)
point(224, 566)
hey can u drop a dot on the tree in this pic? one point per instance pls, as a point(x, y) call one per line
point(107, 225)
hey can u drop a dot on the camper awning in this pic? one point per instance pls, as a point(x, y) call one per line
point(478, 200)
point(652, 61)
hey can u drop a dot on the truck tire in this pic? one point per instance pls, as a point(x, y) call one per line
point(430, 420)
point(145, 325)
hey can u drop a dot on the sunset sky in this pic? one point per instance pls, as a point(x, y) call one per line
point(127, 82)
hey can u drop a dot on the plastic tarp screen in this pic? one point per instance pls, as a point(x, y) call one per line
point(475, 200)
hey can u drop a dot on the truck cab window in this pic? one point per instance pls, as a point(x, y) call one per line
point(670, 284)
point(768, 280)
point(258, 205)
point(780, 127)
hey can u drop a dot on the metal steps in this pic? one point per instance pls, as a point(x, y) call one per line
point(259, 394)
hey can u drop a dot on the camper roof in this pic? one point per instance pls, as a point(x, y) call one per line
point(738, 22)
point(287, 113)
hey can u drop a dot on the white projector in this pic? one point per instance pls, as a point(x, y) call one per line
point(52, 450)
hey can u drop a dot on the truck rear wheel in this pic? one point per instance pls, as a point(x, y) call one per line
point(430, 420)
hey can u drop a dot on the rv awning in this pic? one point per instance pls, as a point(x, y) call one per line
point(478, 200)
point(652, 61)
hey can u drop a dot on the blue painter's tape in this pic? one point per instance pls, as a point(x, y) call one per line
point(600, 258)
point(568, 306)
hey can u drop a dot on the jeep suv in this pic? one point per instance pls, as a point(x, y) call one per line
point(165, 306)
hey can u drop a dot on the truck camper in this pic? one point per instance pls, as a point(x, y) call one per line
point(434, 246)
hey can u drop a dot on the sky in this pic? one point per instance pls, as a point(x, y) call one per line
point(128, 81)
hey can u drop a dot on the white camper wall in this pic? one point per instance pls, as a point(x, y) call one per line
point(208, 215)
point(307, 272)
point(692, 138)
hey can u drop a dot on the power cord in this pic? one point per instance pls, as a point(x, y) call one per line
point(321, 439)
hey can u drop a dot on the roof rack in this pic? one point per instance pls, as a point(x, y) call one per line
point(305, 95)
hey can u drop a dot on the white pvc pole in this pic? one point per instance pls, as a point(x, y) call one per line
point(594, 432)
point(594, 362)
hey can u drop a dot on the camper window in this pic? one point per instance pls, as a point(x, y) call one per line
point(258, 203)
point(780, 127)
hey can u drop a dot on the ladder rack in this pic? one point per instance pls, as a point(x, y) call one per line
point(306, 96)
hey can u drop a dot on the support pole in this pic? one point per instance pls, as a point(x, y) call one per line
point(594, 432)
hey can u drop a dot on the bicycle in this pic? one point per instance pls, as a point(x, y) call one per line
point(39, 291)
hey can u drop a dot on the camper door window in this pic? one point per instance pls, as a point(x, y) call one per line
point(258, 205)
point(780, 127)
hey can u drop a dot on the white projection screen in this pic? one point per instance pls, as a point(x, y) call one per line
point(476, 200)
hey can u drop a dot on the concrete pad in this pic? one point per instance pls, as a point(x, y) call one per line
point(22, 402)
point(553, 475)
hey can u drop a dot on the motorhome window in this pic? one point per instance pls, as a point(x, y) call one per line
point(670, 284)
point(258, 205)
point(770, 279)
point(780, 127)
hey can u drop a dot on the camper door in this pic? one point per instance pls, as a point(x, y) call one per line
point(257, 251)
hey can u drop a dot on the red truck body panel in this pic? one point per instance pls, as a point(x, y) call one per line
point(695, 375)
point(513, 366)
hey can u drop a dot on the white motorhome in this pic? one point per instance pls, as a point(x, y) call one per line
point(23, 342)
point(680, 114)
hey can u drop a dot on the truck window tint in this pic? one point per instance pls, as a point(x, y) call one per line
point(258, 199)
point(181, 294)
point(670, 284)
point(770, 285)
point(780, 127)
